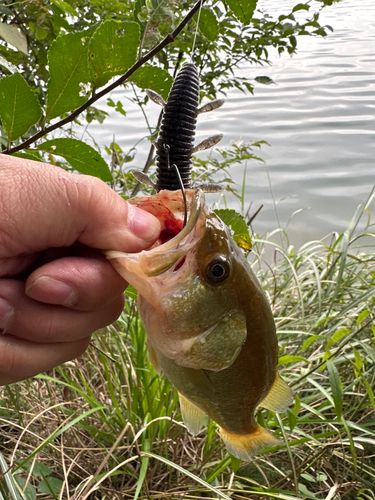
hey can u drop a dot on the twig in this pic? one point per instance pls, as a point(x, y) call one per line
point(254, 215)
point(167, 40)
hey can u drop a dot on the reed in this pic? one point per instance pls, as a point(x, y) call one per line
point(107, 426)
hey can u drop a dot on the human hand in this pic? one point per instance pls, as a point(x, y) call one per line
point(56, 287)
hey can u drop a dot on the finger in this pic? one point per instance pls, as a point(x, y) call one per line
point(21, 359)
point(32, 320)
point(65, 208)
point(81, 283)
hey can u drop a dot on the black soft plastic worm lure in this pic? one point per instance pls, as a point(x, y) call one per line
point(175, 144)
point(176, 138)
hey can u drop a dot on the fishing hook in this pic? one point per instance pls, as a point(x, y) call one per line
point(169, 166)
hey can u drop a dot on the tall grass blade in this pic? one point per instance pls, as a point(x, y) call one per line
point(351, 444)
point(58, 432)
point(187, 473)
point(291, 459)
point(10, 482)
point(143, 471)
point(335, 382)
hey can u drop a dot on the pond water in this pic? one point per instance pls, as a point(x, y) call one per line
point(318, 119)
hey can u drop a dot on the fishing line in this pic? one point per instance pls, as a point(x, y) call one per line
point(169, 166)
point(102, 352)
point(196, 31)
point(183, 193)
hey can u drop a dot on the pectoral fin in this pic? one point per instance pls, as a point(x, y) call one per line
point(279, 397)
point(193, 416)
point(213, 349)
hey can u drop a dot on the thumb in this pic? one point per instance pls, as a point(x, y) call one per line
point(43, 206)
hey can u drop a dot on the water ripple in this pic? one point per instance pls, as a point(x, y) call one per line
point(318, 119)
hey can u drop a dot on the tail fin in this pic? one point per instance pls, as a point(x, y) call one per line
point(244, 446)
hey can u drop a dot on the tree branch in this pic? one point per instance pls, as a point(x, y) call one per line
point(167, 40)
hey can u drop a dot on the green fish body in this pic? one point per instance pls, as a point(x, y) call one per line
point(209, 324)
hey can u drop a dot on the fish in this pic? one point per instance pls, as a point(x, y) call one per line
point(209, 325)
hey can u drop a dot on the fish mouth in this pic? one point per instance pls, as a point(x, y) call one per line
point(160, 259)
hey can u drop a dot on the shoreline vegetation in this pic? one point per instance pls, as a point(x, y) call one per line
point(107, 426)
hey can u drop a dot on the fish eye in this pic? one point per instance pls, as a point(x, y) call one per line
point(217, 270)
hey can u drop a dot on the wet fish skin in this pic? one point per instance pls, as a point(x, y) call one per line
point(213, 336)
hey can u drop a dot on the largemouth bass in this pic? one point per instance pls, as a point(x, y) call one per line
point(209, 325)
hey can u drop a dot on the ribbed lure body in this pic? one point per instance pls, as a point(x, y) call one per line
point(176, 138)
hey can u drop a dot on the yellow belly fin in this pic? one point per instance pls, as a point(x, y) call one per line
point(244, 446)
point(193, 416)
point(279, 397)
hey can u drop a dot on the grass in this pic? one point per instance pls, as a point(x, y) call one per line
point(108, 427)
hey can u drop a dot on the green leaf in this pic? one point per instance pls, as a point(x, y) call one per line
point(235, 222)
point(338, 335)
point(325, 356)
point(306, 493)
point(50, 485)
point(40, 33)
point(292, 419)
point(208, 24)
point(113, 49)
point(14, 36)
point(335, 382)
point(352, 445)
point(369, 390)
point(80, 156)
point(69, 71)
point(242, 9)
point(39, 469)
point(28, 492)
point(131, 292)
point(363, 315)
point(19, 106)
point(65, 7)
point(310, 340)
point(286, 360)
point(301, 6)
point(156, 79)
point(29, 155)
point(264, 80)
point(357, 362)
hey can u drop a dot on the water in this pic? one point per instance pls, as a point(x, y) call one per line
point(318, 119)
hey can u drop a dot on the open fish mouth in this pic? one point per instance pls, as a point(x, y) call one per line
point(168, 207)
